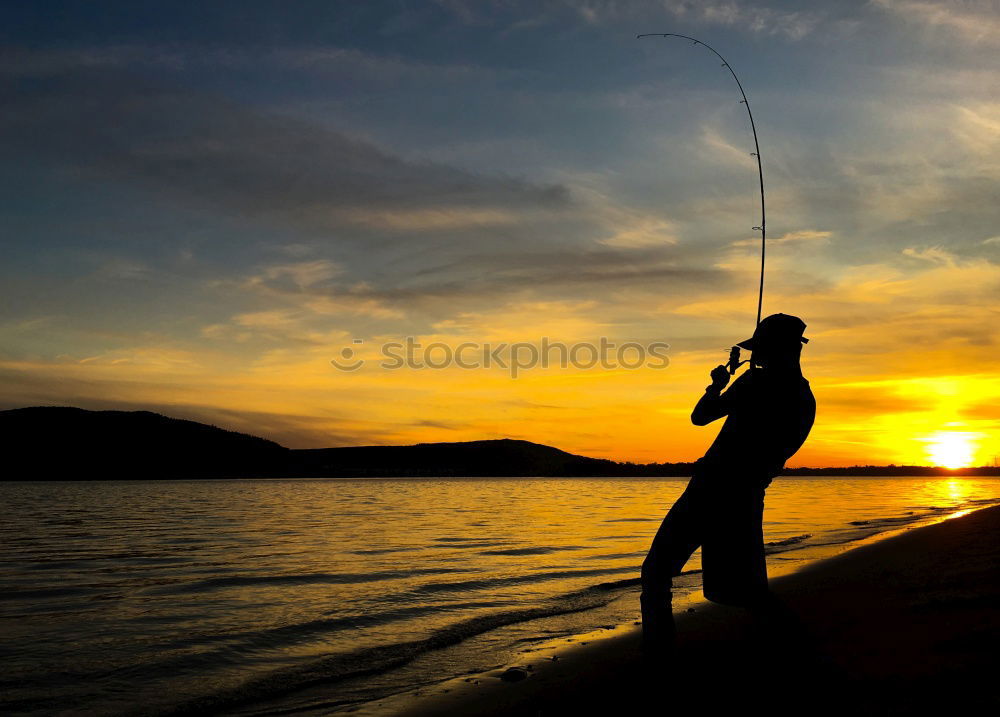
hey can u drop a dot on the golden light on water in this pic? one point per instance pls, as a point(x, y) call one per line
point(951, 449)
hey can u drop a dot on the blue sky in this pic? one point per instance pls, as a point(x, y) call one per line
point(204, 202)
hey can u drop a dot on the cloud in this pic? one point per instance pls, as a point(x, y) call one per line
point(264, 320)
point(725, 151)
point(210, 152)
point(923, 171)
point(424, 220)
point(481, 280)
point(384, 70)
point(754, 17)
point(644, 232)
point(803, 235)
point(303, 274)
point(933, 254)
point(973, 21)
point(353, 303)
point(621, 226)
point(526, 321)
point(123, 268)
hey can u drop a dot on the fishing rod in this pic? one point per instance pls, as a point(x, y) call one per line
point(734, 354)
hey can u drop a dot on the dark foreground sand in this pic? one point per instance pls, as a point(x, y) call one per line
point(909, 625)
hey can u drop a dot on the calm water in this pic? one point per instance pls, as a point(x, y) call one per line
point(257, 596)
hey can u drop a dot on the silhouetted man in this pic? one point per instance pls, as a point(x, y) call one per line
point(770, 410)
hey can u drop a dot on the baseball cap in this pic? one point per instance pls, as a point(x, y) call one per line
point(776, 328)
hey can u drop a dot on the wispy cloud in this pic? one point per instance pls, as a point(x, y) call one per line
point(974, 21)
point(755, 17)
point(211, 152)
point(302, 274)
point(933, 254)
point(803, 235)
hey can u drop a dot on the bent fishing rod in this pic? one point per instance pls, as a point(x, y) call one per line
point(734, 354)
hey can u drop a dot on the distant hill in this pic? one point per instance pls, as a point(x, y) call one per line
point(71, 443)
point(504, 457)
point(61, 443)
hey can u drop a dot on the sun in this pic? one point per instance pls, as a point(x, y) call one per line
point(950, 449)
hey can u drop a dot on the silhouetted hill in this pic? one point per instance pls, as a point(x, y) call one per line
point(504, 457)
point(62, 443)
point(71, 443)
point(47, 443)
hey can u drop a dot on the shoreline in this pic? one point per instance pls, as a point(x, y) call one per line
point(888, 627)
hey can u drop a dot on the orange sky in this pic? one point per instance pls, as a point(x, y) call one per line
point(885, 392)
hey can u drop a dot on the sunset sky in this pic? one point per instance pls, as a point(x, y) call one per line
point(204, 203)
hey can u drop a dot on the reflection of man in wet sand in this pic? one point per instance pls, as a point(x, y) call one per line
point(770, 410)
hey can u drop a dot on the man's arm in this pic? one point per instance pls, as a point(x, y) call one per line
point(713, 404)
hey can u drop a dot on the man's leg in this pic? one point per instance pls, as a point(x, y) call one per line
point(675, 541)
point(734, 571)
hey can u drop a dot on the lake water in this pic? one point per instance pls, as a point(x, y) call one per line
point(267, 596)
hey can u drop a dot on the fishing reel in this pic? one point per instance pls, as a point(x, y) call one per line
point(734, 360)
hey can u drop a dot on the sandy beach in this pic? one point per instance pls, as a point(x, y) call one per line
point(906, 625)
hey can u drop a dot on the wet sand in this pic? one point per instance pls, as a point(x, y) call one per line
point(905, 626)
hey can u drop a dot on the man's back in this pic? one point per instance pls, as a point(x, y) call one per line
point(769, 415)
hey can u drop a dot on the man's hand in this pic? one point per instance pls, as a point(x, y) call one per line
point(720, 378)
point(712, 404)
